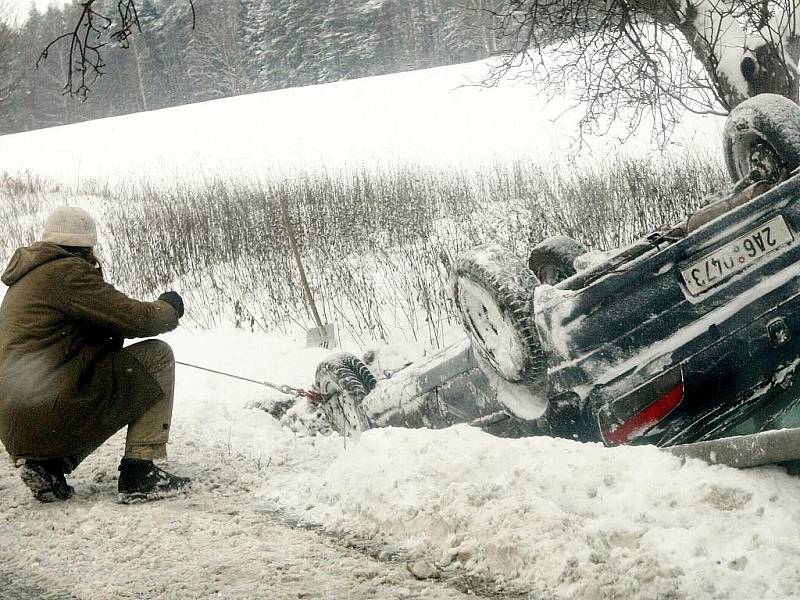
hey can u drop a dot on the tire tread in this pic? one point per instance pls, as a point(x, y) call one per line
point(352, 378)
point(511, 285)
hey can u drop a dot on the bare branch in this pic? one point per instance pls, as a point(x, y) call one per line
point(656, 58)
point(93, 31)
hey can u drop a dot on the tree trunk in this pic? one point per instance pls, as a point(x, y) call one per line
point(738, 66)
point(139, 73)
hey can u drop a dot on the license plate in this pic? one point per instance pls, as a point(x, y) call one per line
point(736, 256)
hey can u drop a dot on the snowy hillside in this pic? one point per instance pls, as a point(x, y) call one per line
point(442, 514)
point(434, 116)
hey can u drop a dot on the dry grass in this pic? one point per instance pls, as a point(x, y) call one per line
point(372, 241)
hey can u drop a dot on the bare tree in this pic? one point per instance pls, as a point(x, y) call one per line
point(217, 55)
point(4, 49)
point(96, 27)
point(651, 58)
point(7, 51)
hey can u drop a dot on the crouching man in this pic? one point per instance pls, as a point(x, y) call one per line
point(66, 383)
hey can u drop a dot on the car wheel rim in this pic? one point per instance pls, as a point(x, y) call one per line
point(550, 274)
point(490, 327)
point(343, 410)
point(765, 161)
point(753, 154)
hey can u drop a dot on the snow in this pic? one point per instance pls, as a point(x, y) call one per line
point(274, 512)
point(527, 402)
point(428, 117)
point(384, 359)
point(554, 306)
point(562, 519)
point(591, 259)
point(726, 38)
point(494, 327)
point(555, 518)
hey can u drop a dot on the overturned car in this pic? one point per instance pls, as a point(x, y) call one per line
point(691, 333)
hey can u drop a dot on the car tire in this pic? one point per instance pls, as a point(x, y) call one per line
point(553, 260)
point(763, 133)
point(493, 292)
point(343, 381)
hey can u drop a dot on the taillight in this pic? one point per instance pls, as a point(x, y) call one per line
point(646, 418)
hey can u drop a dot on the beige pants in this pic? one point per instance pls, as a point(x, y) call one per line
point(148, 435)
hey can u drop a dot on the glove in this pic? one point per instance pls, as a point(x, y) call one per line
point(173, 299)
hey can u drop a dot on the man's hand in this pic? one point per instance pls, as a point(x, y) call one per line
point(173, 299)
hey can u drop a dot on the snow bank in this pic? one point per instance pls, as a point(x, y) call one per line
point(227, 410)
point(564, 519)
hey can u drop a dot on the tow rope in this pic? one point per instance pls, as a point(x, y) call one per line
point(283, 389)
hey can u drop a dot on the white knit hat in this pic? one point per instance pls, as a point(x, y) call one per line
point(70, 226)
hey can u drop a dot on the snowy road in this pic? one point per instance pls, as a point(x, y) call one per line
point(221, 540)
point(227, 538)
point(551, 518)
point(215, 542)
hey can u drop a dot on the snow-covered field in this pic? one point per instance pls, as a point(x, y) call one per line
point(400, 513)
point(428, 117)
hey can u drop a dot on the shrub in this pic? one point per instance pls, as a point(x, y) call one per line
point(372, 240)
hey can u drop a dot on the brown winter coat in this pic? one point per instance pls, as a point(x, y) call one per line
point(65, 384)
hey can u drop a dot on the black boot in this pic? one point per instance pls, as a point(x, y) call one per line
point(140, 481)
point(46, 480)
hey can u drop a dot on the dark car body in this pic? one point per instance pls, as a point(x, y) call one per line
point(446, 388)
point(638, 354)
point(635, 354)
